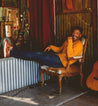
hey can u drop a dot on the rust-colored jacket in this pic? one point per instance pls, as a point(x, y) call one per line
point(68, 49)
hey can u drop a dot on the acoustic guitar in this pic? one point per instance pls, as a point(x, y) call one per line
point(92, 80)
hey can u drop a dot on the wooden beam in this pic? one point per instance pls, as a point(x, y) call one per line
point(28, 11)
point(94, 17)
point(97, 23)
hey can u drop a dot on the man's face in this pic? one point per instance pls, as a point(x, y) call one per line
point(76, 35)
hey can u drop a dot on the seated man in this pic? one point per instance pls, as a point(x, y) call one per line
point(71, 47)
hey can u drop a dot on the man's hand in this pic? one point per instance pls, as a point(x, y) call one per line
point(47, 49)
point(69, 37)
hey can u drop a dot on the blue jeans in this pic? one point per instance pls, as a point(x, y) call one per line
point(43, 58)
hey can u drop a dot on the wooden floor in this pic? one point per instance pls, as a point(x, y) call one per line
point(35, 95)
point(88, 99)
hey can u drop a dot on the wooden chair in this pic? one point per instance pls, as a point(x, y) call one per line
point(71, 70)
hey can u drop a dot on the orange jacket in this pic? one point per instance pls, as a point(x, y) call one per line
point(68, 49)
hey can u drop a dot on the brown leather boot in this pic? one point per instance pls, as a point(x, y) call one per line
point(6, 48)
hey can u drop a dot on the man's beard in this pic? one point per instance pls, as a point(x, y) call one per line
point(74, 39)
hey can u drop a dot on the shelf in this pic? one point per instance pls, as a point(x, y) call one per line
point(6, 21)
point(74, 11)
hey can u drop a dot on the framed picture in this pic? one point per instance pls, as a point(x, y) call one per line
point(75, 5)
point(71, 5)
point(10, 3)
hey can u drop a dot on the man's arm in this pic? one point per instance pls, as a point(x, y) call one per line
point(55, 48)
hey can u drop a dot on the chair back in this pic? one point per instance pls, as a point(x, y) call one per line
point(84, 42)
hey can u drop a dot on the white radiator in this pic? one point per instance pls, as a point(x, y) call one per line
point(17, 73)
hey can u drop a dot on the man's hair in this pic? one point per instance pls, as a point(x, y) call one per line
point(77, 27)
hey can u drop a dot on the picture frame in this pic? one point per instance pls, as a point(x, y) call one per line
point(71, 5)
point(10, 3)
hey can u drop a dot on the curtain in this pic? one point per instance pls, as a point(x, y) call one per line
point(41, 22)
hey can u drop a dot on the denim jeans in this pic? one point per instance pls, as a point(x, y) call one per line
point(43, 58)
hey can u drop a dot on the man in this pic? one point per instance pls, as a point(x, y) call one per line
point(71, 47)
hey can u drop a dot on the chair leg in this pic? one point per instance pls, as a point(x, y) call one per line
point(60, 84)
point(81, 75)
point(81, 80)
point(42, 72)
point(65, 79)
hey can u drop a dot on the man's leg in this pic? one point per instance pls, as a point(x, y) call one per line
point(43, 58)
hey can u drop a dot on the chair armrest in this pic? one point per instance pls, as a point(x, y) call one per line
point(75, 58)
